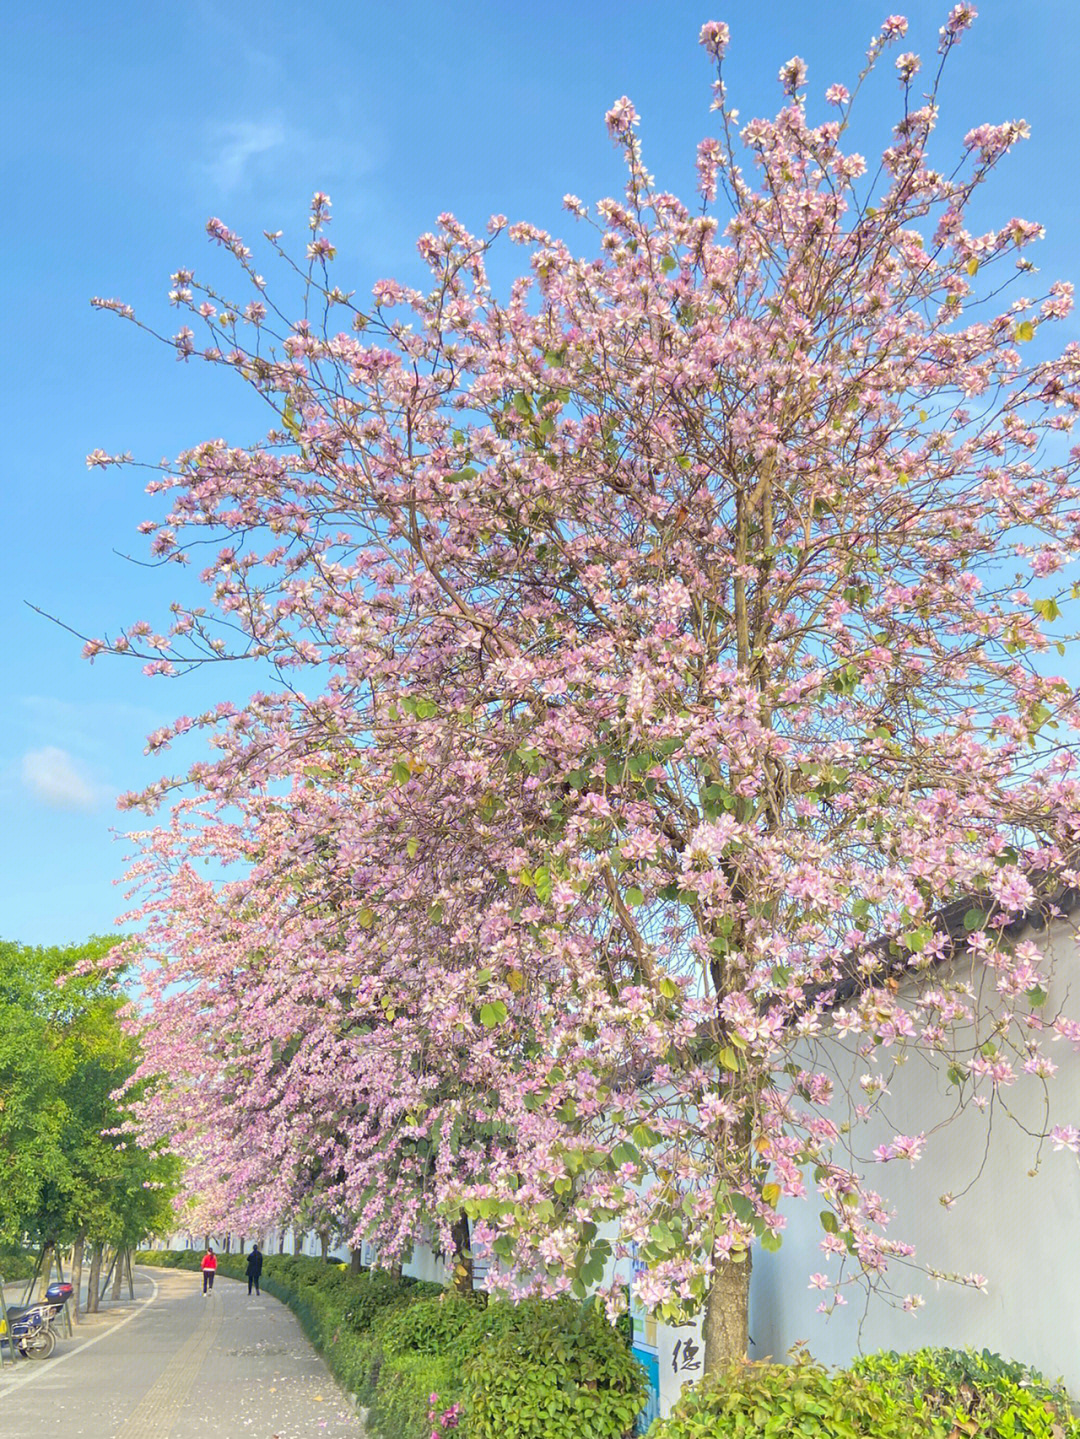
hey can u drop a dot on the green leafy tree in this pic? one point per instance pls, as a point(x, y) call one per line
point(68, 1168)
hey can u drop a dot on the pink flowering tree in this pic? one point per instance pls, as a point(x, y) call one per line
point(318, 1064)
point(691, 615)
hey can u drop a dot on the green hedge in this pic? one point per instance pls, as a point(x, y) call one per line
point(786, 1401)
point(552, 1369)
point(962, 1392)
point(926, 1394)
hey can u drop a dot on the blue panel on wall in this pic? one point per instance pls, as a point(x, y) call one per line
point(650, 1362)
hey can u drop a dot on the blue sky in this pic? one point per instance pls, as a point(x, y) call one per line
point(127, 125)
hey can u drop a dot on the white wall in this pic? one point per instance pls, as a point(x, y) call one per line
point(1021, 1231)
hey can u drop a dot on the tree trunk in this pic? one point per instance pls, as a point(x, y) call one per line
point(118, 1274)
point(92, 1301)
point(462, 1259)
point(324, 1244)
point(726, 1324)
point(242, 1243)
point(108, 1273)
point(130, 1275)
point(355, 1258)
point(76, 1277)
point(48, 1254)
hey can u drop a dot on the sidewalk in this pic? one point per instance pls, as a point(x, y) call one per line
point(173, 1365)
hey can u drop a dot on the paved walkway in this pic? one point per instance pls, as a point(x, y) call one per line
point(173, 1365)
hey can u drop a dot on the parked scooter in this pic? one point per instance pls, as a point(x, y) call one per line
point(31, 1326)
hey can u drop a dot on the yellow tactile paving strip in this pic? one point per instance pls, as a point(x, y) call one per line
point(161, 1405)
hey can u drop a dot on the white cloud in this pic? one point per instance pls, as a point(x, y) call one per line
point(239, 145)
point(54, 778)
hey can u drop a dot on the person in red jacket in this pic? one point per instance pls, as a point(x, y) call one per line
point(209, 1269)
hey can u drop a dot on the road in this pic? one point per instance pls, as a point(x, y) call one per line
point(175, 1365)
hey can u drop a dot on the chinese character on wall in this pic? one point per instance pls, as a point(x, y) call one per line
point(685, 1356)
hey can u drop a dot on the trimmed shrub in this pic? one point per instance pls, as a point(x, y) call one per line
point(415, 1351)
point(406, 1384)
point(787, 1401)
point(433, 1326)
point(551, 1369)
point(961, 1392)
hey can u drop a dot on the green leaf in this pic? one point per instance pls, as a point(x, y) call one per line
point(400, 772)
point(1024, 331)
point(828, 1222)
point(917, 939)
point(645, 1137)
point(974, 919)
point(771, 1241)
point(1040, 713)
point(411, 847)
point(634, 896)
point(492, 1014)
point(668, 263)
point(1049, 609)
point(742, 1208)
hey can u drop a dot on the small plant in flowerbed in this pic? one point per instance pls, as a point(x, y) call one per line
point(957, 1393)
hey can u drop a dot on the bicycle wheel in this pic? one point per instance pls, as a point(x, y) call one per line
point(39, 1345)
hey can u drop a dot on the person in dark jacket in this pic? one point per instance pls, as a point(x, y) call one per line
point(254, 1268)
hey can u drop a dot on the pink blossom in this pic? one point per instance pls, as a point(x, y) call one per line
point(1066, 1136)
point(621, 118)
point(714, 36)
